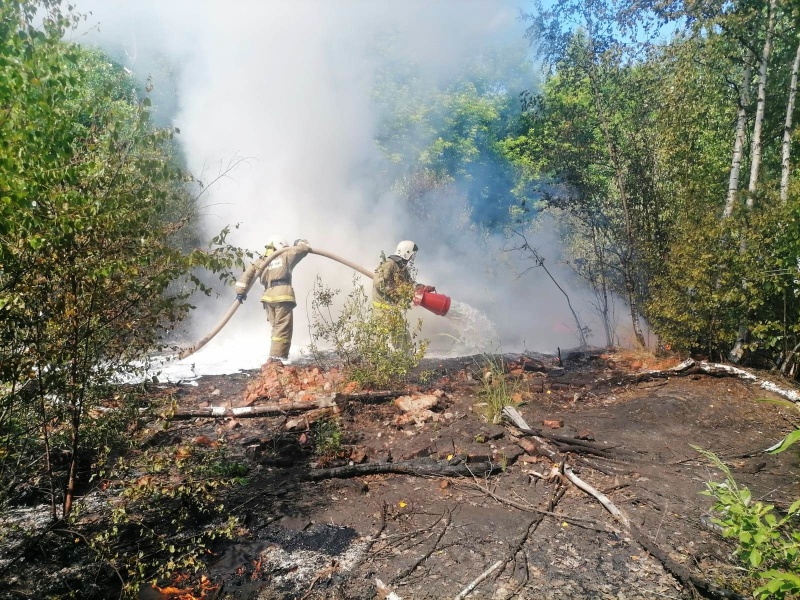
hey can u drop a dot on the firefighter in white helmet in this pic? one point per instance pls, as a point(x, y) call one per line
point(278, 298)
point(393, 285)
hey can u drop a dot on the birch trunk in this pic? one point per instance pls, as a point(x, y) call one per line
point(738, 145)
point(787, 128)
point(755, 161)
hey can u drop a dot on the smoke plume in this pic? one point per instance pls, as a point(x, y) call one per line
point(288, 86)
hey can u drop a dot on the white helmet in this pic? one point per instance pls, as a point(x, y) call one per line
point(277, 242)
point(406, 250)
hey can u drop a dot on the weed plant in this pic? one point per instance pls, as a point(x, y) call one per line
point(767, 543)
point(378, 348)
point(498, 391)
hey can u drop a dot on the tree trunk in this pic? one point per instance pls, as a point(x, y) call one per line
point(755, 160)
point(737, 353)
point(627, 257)
point(787, 128)
point(738, 145)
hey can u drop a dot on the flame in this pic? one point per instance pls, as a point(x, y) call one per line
point(188, 593)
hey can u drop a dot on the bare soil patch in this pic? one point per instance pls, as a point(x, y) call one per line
point(311, 533)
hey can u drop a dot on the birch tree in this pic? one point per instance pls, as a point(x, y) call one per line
point(738, 145)
point(786, 146)
point(756, 149)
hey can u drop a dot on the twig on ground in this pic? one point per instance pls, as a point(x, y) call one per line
point(430, 551)
point(601, 497)
point(692, 583)
point(466, 591)
point(586, 523)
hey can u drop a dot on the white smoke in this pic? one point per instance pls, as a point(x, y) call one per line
point(288, 85)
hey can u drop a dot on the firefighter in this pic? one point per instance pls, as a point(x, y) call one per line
point(393, 285)
point(278, 298)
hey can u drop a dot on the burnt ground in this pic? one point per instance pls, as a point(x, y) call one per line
point(430, 536)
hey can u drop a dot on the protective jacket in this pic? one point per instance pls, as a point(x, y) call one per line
point(277, 277)
point(278, 299)
point(392, 280)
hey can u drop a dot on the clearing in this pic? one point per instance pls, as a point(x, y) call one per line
point(418, 494)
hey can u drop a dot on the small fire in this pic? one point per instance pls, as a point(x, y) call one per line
point(203, 587)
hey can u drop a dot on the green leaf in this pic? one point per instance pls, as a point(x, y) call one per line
point(755, 557)
point(745, 537)
point(785, 443)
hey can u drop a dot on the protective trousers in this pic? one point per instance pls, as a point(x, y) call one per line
point(279, 315)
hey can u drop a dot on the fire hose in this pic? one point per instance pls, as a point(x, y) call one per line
point(441, 307)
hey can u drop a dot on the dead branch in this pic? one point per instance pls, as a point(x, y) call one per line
point(385, 592)
point(466, 591)
point(372, 396)
point(601, 497)
point(585, 523)
point(422, 467)
point(378, 533)
point(678, 571)
point(562, 442)
point(447, 518)
point(327, 401)
point(558, 492)
point(691, 367)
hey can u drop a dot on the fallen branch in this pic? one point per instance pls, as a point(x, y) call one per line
point(600, 496)
point(466, 591)
point(423, 467)
point(372, 396)
point(678, 571)
point(430, 551)
point(691, 367)
point(385, 592)
point(585, 523)
point(327, 401)
point(562, 442)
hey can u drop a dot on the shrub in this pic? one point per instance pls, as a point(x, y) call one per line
point(377, 347)
point(767, 544)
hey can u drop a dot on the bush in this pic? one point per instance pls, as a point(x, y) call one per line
point(767, 544)
point(377, 347)
point(165, 512)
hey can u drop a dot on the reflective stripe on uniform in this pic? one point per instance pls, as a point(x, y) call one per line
point(276, 299)
point(280, 339)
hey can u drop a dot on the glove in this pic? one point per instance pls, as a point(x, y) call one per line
point(241, 292)
point(300, 242)
point(425, 288)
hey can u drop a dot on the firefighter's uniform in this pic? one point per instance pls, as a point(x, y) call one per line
point(392, 292)
point(392, 282)
point(278, 298)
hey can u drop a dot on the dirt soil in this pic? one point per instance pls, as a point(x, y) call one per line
point(426, 536)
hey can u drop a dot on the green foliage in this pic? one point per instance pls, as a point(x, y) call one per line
point(375, 345)
point(498, 391)
point(768, 544)
point(159, 497)
point(446, 133)
point(327, 437)
point(630, 148)
point(96, 240)
point(792, 437)
point(710, 285)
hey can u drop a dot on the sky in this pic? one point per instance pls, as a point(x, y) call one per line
point(283, 90)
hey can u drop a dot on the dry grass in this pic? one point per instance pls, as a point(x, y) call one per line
point(640, 360)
